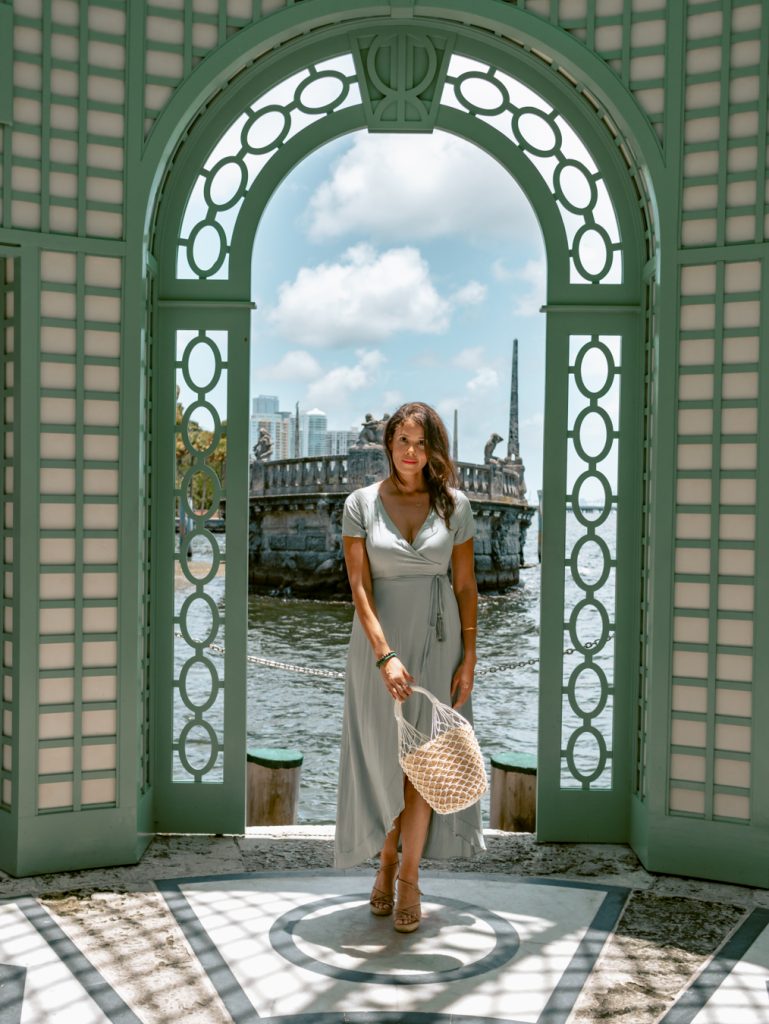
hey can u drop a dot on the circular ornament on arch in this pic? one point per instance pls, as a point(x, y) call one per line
point(199, 615)
point(536, 132)
point(208, 740)
point(210, 359)
point(265, 130)
point(210, 559)
point(574, 187)
point(582, 423)
point(204, 473)
point(601, 559)
point(592, 252)
point(481, 94)
point(583, 517)
point(598, 683)
point(587, 744)
point(582, 609)
point(318, 83)
point(206, 248)
point(589, 351)
point(226, 183)
point(216, 433)
point(212, 683)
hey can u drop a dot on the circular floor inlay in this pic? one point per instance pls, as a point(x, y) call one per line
point(339, 937)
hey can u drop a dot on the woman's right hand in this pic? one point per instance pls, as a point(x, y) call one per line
point(396, 679)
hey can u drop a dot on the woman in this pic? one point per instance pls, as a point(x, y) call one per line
point(410, 626)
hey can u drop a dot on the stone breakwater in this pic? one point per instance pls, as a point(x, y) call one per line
point(295, 528)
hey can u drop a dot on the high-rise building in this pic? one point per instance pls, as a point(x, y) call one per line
point(339, 442)
point(266, 412)
point(264, 404)
point(313, 426)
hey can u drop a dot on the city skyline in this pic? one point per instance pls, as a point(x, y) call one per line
point(338, 439)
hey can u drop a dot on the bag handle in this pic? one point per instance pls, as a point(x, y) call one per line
point(398, 709)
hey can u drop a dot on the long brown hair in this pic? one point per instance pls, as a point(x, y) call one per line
point(440, 473)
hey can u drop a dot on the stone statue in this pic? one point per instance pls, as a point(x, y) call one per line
point(380, 429)
point(489, 447)
point(372, 432)
point(263, 448)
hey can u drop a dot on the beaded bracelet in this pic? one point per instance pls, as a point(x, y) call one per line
point(386, 657)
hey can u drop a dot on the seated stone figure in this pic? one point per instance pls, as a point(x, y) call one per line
point(263, 448)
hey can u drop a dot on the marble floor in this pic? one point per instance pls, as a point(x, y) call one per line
point(239, 941)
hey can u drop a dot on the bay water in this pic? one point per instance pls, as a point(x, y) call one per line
point(289, 709)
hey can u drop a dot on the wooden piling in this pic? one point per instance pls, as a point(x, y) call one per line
point(273, 785)
point(513, 792)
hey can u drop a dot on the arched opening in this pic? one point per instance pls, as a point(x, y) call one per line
point(575, 179)
point(361, 306)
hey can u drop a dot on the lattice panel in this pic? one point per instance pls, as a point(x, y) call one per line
point(243, 152)
point(551, 144)
point(725, 133)
point(717, 463)
point(8, 694)
point(199, 686)
point(180, 33)
point(630, 35)
point(595, 368)
point(64, 170)
point(651, 356)
point(80, 304)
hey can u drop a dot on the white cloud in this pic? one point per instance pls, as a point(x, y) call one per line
point(485, 379)
point(500, 271)
point(529, 300)
point(470, 294)
point(365, 296)
point(392, 399)
point(394, 187)
point(468, 358)
point(295, 365)
point(337, 387)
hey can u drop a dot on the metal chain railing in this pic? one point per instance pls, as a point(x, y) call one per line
point(327, 673)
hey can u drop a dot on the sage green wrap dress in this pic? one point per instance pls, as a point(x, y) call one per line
point(418, 611)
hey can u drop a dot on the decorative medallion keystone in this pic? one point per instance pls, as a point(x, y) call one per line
point(401, 74)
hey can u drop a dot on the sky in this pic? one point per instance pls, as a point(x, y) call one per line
point(393, 268)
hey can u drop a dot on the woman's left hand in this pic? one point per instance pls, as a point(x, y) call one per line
point(462, 683)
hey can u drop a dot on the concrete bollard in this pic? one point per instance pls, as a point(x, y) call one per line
point(513, 792)
point(273, 785)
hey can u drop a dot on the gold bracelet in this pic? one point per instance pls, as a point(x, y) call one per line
point(469, 629)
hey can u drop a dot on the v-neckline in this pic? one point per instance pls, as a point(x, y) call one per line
point(395, 526)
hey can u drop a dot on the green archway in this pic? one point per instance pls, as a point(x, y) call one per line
point(414, 74)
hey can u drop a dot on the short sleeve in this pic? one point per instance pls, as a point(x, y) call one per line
point(462, 522)
point(353, 518)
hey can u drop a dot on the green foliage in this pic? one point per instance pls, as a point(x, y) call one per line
point(190, 446)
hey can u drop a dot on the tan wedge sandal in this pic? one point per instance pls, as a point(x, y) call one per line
point(381, 901)
point(408, 918)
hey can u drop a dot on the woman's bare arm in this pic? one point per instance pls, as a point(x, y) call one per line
point(466, 593)
point(393, 672)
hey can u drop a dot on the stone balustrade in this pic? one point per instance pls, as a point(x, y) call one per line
point(340, 474)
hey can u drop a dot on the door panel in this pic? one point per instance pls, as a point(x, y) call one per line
point(588, 576)
point(202, 407)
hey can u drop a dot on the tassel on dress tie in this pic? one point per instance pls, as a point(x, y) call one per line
point(439, 630)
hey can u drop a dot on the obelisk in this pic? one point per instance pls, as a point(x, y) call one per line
point(513, 444)
point(455, 439)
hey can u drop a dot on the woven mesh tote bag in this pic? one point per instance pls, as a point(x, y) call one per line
point(446, 768)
